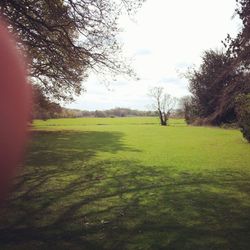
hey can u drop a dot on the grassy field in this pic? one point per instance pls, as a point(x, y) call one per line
point(129, 183)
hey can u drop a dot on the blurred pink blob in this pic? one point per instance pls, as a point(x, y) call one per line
point(14, 108)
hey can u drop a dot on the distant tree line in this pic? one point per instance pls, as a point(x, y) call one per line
point(53, 110)
point(220, 87)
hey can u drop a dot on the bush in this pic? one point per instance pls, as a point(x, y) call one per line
point(243, 114)
point(188, 109)
point(233, 125)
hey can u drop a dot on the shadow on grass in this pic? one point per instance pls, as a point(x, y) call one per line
point(64, 200)
point(61, 147)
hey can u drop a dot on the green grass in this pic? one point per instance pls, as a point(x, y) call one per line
point(128, 183)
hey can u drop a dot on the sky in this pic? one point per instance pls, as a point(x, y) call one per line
point(163, 40)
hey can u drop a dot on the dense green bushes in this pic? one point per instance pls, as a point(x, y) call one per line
point(243, 113)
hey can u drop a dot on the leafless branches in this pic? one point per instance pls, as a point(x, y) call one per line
point(163, 103)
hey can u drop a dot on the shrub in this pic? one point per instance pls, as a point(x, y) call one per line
point(189, 107)
point(243, 114)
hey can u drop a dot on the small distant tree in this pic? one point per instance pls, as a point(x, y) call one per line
point(100, 113)
point(43, 107)
point(163, 103)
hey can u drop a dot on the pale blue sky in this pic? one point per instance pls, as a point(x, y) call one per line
point(164, 39)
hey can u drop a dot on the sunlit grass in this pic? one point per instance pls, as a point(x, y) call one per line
point(129, 183)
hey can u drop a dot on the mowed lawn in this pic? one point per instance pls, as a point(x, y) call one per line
point(129, 183)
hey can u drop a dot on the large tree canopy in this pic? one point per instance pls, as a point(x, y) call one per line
point(223, 76)
point(204, 85)
point(213, 90)
point(238, 53)
point(64, 38)
point(239, 47)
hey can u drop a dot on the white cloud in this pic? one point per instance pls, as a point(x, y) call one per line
point(167, 37)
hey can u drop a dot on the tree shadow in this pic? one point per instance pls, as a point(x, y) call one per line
point(76, 203)
point(61, 147)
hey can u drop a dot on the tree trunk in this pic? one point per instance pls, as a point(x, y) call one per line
point(165, 119)
point(162, 118)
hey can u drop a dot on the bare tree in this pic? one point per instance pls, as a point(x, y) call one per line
point(163, 103)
